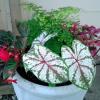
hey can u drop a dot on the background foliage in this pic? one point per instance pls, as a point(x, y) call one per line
point(56, 21)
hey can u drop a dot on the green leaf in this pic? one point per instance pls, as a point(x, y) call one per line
point(6, 37)
point(10, 65)
point(19, 43)
point(22, 28)
point(5, 75)
point(50, 22)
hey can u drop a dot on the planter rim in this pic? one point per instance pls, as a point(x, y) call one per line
point(45, 90)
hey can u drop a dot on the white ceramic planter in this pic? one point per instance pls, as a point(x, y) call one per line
point(26, 90)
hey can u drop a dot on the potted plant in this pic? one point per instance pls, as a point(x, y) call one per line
point(56, 65)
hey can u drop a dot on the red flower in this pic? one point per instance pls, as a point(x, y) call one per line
point(4, 55)
point(9, 80)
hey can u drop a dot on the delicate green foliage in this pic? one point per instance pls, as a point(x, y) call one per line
point(51, 22)
point(66, 38)
point(65, 13)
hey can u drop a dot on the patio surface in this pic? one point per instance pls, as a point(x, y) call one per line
point(94, 92)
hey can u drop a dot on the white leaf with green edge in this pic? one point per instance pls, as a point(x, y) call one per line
point(80, 64)
point(45, 65)
point(44, 37)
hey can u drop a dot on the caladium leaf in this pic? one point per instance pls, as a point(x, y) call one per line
point(44, 37)
point(45, 65)
point(80, 63)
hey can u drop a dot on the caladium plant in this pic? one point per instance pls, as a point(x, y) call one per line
point(80, 64)
point(43, 38)
point(45, 65)
point(74, 64)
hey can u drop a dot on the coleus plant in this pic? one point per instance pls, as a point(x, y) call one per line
point(89, 35)
point(75, 64)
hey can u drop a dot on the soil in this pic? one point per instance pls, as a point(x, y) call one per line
point(30, 77)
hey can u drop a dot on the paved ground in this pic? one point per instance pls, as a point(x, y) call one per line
point(94, 92)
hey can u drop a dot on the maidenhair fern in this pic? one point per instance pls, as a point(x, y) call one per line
point(52, 22)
